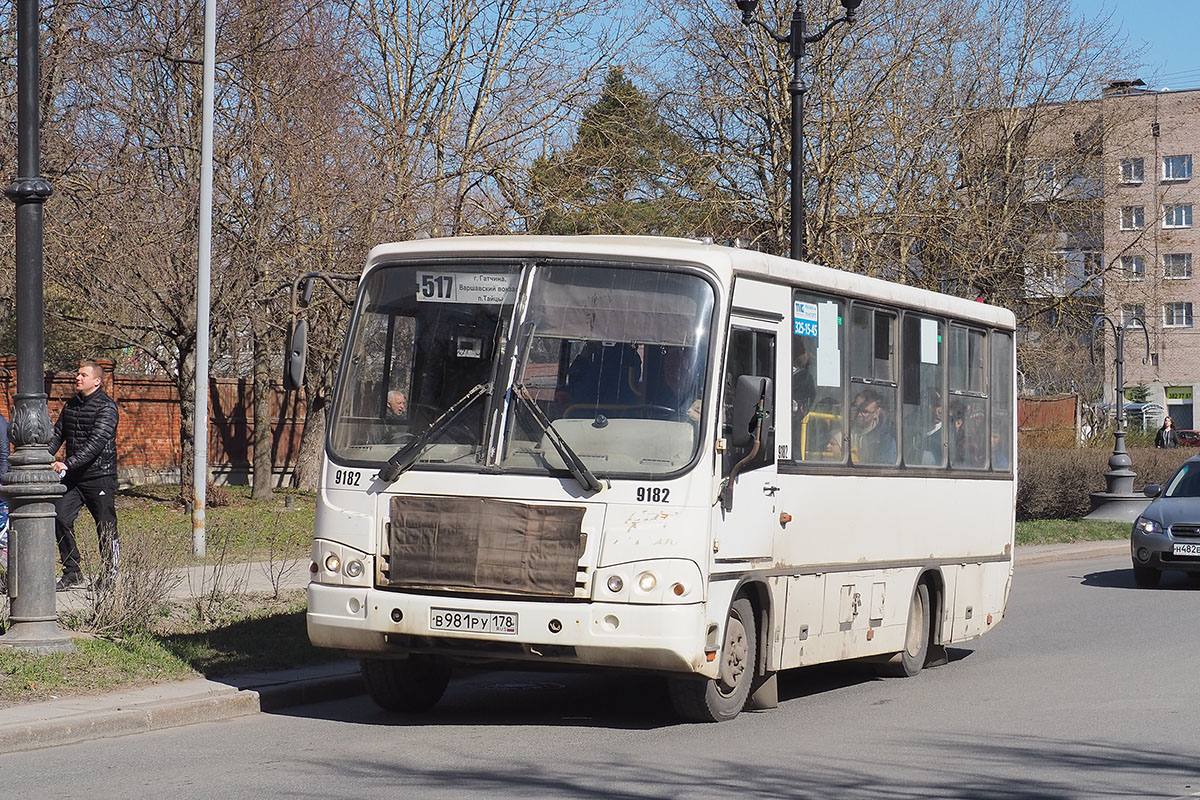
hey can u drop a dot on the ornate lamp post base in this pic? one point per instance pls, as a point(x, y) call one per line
point(1118, 503)
point(31, 488)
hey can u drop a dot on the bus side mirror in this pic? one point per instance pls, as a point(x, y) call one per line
point(751, 399)
point(297, 353)
point(306, 291)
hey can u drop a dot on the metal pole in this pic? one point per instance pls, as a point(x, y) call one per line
point(797, 88)
point(203, 281)
point(1120, 475)
point(31, 487)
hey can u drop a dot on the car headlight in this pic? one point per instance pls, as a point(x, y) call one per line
point(1147, 525)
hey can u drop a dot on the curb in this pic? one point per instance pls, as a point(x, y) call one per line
point(75, 720)
point(1041, 554)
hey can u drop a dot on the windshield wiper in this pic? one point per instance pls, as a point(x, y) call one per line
point(406, 456)
point(579, 470)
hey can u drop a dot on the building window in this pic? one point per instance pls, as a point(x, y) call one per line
point(1177, 216)
point(1177, 265)
point(1132, 314)
point(1133, 170)
point(1177, 315)
point(1133, 218)
point(1177, 168)
point(1133, 268)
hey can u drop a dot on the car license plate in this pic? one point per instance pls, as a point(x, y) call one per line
point(463, 621)
point(1186, 549)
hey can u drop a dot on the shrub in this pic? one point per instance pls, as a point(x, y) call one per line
point(1056, 483)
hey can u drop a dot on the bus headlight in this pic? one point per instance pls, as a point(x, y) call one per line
point(661, 580)
point(335, 563)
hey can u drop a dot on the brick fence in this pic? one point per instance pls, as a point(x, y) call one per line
point(148, 449)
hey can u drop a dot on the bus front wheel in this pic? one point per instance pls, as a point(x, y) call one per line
point(722, 698)
point(415, 683)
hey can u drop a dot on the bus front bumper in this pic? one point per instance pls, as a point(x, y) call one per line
point(371, 622)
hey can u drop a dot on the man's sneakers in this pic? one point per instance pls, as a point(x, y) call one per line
point(69, 580)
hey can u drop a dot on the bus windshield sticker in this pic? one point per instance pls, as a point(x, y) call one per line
point(480, 288)
point(805, 315)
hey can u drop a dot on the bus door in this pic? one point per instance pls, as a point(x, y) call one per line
point(748, 516)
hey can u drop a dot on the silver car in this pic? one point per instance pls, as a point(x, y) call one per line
point(1167, 534)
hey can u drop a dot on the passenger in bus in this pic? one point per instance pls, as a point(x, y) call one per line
point(678, 387)
point(876, 432)
point(935, 436)
point(605, 374)
point(804, 388)
point(999, 451)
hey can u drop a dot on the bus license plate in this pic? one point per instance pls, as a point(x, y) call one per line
point(461, 621)
point(1182, 549)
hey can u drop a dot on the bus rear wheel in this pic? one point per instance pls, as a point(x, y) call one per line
point(722, 698)
point(415, 683)
point(911, 659)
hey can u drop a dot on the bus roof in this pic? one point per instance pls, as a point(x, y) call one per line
point(726, 262)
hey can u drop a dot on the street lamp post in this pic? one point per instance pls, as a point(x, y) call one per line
point(1118, 502)
point(797, 38)
point(31, 486)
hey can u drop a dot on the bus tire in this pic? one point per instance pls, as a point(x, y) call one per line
point(911, 659)
point(722, 698)
point(415, 683)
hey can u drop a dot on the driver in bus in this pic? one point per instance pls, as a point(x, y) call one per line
point(678, 387)
point(396, 404)
point(604, 373)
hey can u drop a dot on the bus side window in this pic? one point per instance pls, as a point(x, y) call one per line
point(922, 363)
point(818, 421)
point(873, 382)
point(1002, 404)
point(968, 423)
point(750, 353)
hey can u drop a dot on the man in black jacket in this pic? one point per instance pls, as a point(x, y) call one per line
point(88, 427)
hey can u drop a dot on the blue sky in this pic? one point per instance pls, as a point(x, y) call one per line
point(1171, 28)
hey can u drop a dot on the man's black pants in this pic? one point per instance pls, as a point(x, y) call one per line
point(98, 494)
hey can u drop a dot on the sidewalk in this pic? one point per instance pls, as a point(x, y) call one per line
point(77, 719)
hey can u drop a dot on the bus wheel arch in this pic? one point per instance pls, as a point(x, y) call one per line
point(722, 698)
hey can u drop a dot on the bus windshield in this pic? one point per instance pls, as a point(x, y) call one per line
point(615, 360)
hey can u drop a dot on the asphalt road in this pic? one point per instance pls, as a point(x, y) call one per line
point(1088, 689)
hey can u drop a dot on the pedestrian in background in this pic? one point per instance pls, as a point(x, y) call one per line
point(87, 426)
point(1167, 437)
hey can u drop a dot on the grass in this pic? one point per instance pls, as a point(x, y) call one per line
point(241, 531)
point(234, 633)
point(1063, 531)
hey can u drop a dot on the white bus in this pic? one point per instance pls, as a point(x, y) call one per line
point(659, 455)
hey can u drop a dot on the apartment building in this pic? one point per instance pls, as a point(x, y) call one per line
point(1151, 238)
